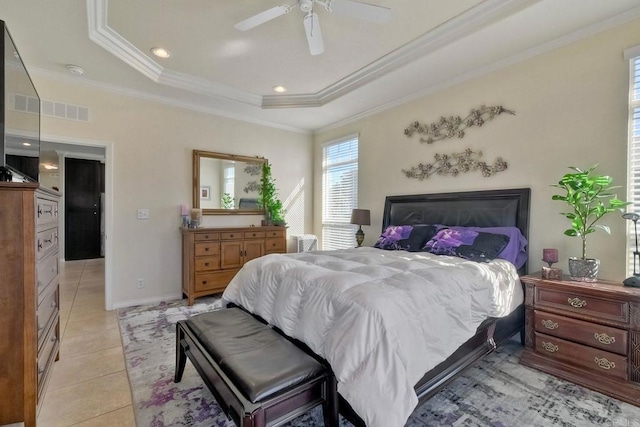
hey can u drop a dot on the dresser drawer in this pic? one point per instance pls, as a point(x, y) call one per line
point(254, 235)
point(46, 356)
point(47, 310)
point(276, 233)
point(46, 242)
point(47, 270)
point(275, 245)
point(583, 304)
point(593, 359)
point(215, 281)
point(591, 334)
point(46, 211)
point(198, 237)
point(231, 235)
point(207, 263)
point(207, 248)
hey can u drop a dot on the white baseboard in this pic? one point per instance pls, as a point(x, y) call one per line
point(146, 301)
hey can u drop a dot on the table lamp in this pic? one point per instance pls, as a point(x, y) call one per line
point(360, 217)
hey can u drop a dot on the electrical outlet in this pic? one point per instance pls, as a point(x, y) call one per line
point(143, 213)
point(140, 284)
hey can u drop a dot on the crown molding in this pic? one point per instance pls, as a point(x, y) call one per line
point(452, 30)
point(607, 24)
point(165, 100)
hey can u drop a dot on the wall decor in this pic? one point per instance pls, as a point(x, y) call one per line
point(252, 170)
point(455, 164)
point(455, 126)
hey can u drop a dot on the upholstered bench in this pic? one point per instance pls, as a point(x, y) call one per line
point(257, 376)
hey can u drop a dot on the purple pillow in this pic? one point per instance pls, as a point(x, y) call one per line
point(468, 244)
point(516, 250)
point(405, 237)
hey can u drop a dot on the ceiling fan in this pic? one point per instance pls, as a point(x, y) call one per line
point(351, 8)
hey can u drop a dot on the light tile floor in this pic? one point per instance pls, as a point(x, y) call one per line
point(89, 384)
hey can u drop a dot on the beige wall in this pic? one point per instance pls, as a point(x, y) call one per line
point(152, 148)
point(572, 110)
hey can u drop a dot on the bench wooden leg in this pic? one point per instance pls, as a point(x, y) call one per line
point(181, 355)
point(330, 405)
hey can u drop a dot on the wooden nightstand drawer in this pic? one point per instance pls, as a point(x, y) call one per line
point(207, 263)
point(198, 237)
point(591, 334)
point(207, 248)
point(596, 360)
point(579, 303)
point(46, 211)
point(46, 242)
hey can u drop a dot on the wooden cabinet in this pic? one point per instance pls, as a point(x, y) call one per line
point(212, 256)
point(586, 333)
point(29, 298)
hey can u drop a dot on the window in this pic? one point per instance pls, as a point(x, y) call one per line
point(339, 193)
point(634, 146)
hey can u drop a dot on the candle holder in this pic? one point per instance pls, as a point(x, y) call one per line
point(550, 256)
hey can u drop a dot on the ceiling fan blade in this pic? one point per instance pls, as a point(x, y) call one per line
point(358, 10)
point(314, 34)
point(262, 17)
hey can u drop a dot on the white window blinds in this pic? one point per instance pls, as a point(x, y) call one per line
point(339, 193)
point(634, 151)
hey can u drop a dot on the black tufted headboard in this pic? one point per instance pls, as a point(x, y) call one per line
point(490, 208)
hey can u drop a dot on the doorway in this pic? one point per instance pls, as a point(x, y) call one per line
point(84, 186)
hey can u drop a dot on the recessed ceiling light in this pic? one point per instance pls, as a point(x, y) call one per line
point(279, 89)
point(160, 52)
point(26, 144)
point(74, 69)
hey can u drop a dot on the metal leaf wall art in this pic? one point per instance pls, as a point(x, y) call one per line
point(455, 164)
point(455, 126)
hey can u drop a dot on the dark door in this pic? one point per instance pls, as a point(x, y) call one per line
point(82, 208)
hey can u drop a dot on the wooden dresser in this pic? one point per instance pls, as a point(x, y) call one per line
point(586, 333)
point(29, 298)
point(212, 256)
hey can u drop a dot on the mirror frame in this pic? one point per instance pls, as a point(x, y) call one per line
point(197, 155)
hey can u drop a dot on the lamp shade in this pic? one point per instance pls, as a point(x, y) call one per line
point(361, 217)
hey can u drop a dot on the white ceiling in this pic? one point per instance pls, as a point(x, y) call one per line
point(426, 45)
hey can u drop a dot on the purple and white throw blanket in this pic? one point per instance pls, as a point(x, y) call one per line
point(380, 318)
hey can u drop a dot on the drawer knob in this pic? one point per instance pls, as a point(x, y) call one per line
point(204, 282)
point(206, 264)
point(206, 249)
point(550, 347)
point(549, 324)
point(40, 370)
point(604, 363)
point(206, 236)
point(576, 302)
point(604, 338)
point(231, 235)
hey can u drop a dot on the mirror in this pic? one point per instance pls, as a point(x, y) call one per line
point(226, 183)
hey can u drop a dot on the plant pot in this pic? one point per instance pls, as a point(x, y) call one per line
point(584, 269)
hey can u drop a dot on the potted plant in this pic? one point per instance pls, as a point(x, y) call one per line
point(590, 198)
point(268, 197)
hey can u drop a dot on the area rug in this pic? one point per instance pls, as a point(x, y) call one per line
point(497, 391)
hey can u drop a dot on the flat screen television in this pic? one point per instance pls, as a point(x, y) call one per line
point(19, 116)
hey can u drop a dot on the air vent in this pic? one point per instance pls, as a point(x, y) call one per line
point(59, 110)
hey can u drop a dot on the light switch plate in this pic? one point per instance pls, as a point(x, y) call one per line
point(143, 213)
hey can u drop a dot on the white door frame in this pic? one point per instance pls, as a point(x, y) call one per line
point(108, 212)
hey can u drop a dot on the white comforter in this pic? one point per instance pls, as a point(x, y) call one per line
point(381, 318)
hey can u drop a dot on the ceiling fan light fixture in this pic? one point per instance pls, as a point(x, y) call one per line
point(160, 52)
point(279, 89)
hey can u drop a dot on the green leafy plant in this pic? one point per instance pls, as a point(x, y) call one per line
point(227, 201)
point(268, 197)
point(590, 198)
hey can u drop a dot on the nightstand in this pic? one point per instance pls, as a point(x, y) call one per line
point(586, 333)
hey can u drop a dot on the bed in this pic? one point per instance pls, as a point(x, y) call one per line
point(494, 208)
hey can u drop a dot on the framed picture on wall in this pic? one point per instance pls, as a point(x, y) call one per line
point(205, 192)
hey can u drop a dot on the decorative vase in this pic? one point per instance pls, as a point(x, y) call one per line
point(584, 269)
